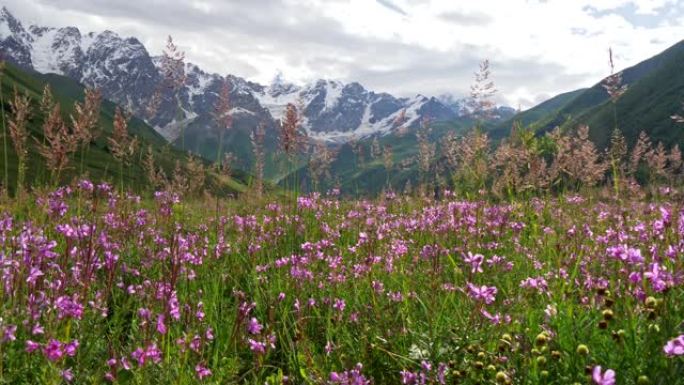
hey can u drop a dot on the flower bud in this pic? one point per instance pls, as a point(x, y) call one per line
point(607, 314)
point(582, 349)
point(501, 377)
point(541, 339)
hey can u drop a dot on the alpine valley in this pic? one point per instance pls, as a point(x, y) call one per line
point(347, 117)
point(126, 73)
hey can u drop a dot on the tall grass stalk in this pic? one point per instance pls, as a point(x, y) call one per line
point(223, 118)
point(5, 148)
point(18, 129)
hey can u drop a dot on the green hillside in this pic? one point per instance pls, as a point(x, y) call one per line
point(98, 162)
point(655, 91)
point(536, 114)
point(365, 175)
point(647, 105)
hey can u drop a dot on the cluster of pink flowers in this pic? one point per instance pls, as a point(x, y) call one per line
point(349, 377)
point(160, 285)
point(427, 374)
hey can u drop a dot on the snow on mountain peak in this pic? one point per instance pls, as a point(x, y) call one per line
point(10, 24)
point(41, 52)
point(331, 110)
point(333, 90)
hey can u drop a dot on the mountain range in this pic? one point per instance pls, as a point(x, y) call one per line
point(127, 74)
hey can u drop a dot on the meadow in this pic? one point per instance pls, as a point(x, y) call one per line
point(100, 286)
point(539, 259)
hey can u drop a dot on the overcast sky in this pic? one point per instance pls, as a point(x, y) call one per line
point(536, 48)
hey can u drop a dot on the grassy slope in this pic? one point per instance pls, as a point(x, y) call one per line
point(370, 177)
point(647, 105)
point(536, 114)
point(654, 93)
point(98, 162)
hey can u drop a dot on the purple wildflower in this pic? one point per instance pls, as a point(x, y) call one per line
point(54, 350)
point(71, 347)
point(31, 346)
point(254, 327)
point(486, 294)
point(349, 377)
point(257, 347)
point(674, 347)
point(339, 305)
point(475, 262)
point(600, 378)
point(202, 371)
point(9, 334)
point(67, 375)
point(153, 353)
point(161, 326)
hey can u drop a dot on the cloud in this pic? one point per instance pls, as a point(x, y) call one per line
point(391, 6)
point(399, 46)
point(465, 18)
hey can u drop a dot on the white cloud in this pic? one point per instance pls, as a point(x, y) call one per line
point(537, 48)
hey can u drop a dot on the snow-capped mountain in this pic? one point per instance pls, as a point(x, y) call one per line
point(120, 67)
point(126, 73)
point(338, 112)
point(461, 107)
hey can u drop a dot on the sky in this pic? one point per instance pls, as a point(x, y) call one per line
point(537, 48)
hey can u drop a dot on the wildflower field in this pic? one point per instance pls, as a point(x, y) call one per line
point(101, 287)
point(539, 258)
